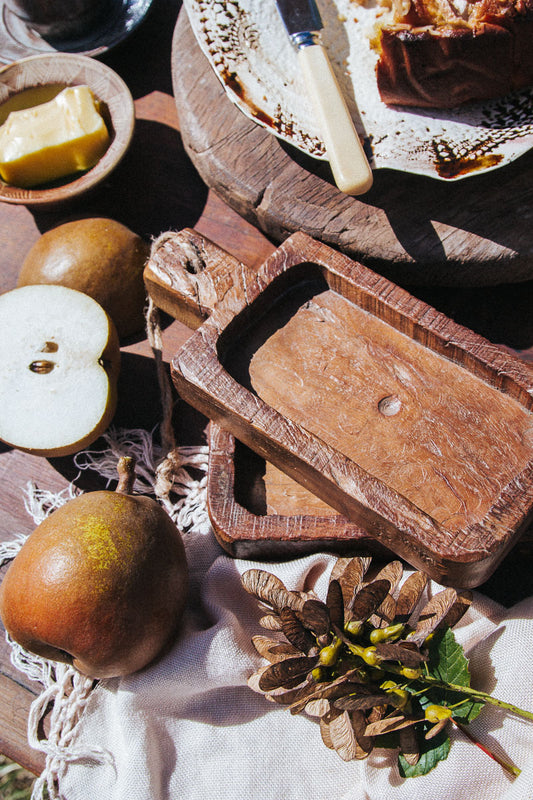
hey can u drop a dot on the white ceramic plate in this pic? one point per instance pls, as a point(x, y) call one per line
point(247, 46)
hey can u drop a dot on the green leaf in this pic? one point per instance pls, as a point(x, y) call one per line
point(467, 711)
point(448, 663)
point(431, 752)
point(447, 660)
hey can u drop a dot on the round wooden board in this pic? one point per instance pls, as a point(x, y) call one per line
point(415, 230)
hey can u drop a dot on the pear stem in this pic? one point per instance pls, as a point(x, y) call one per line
point(126, 475)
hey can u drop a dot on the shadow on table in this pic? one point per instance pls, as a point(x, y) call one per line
point(155, 188)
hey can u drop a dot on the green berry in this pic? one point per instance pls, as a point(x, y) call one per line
point(434, 713)
point(386, 634)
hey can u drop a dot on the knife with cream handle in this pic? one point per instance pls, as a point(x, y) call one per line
point(349, 165)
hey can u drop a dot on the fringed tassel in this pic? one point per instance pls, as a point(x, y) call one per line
point(63, 702)
point(170, 473)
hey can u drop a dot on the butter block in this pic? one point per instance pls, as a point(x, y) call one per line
point(52, 140)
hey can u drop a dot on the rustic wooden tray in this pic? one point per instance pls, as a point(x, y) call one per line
point(413, 428)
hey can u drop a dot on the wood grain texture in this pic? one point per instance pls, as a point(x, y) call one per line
point(17, 691)
point(438, 435)
point(13, 725)
point(457, 534)
point(414, 230)
point(255, 508)
point(191, 292)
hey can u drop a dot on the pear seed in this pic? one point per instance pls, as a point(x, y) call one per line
point(42, 367)
point(50, 347)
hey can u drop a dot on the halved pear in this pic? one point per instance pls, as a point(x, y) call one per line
point(60, 359)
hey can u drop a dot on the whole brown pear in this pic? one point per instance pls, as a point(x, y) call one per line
point(97, 256)
point(101, 583)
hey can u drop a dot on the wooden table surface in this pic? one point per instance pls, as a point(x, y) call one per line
point(156, 188)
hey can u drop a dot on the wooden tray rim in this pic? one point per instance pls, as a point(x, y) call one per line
point(243, 532)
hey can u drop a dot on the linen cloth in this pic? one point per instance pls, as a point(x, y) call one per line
point(189, 727)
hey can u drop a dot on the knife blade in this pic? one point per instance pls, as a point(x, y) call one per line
point(349, 165)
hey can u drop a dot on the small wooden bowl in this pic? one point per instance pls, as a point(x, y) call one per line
point(66, 69)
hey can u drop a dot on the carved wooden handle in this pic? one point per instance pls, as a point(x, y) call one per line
point(187, 275)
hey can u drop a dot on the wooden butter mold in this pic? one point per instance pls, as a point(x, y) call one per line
point(415, 429)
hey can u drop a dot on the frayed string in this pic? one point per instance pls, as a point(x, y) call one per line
point(67, 695)
point(168, 476)
point(39, 503)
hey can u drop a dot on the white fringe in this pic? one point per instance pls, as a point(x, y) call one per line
point(182, 496)
point(65, 691)
point(67, 695)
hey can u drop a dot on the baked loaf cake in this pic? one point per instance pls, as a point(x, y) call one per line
point(441, 54)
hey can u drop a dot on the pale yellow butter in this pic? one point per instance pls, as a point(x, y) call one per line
point(48, 141)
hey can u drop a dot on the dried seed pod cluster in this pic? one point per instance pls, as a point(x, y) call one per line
point(369, 661)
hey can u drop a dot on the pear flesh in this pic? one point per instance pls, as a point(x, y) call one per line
point(60, 362)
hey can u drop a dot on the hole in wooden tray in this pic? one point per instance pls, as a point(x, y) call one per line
point(249, 489)
point(275, 307)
